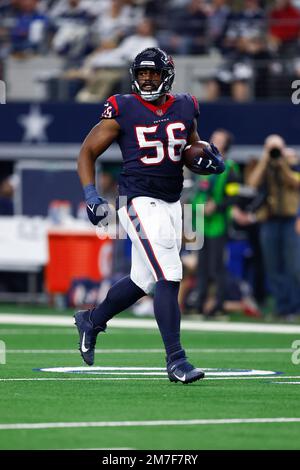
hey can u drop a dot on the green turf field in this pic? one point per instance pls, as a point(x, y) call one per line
point(125, 399)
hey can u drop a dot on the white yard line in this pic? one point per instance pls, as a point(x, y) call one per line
point(60, 379)
point(101, 448)
point(292, 383)
point(36, 331)
point(182, 422)
point(76, 379)
point(109, 370)
point(152, 351)
point(60, 320)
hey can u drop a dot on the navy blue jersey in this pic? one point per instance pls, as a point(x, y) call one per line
point(151, 140)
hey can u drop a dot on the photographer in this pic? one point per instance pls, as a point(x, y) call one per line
point(211, 191)
point(274, 176)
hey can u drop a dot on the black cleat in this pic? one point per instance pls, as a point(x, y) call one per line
point(87, 335)
point(181, 370)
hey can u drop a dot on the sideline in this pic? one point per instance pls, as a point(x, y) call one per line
point(63, 320)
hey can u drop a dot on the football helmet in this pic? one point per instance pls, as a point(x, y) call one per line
point(153, 58)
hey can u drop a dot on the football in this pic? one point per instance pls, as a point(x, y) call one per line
point(192, 151)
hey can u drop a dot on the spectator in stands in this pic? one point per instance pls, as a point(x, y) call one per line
point(72, 30)
point(46, 5)
point(274, 176)
point(184, 28)
point(55, 7)
point(117, 20)
point(28, 34)
point(248, 22)
point(243, 44)
point(240, 40)
point(156, 10)
point(218, 14)
point(244, 73)
point(284, 41)
point(8, 8)
point(284, 27)
point(8, 11)
point(102, 70)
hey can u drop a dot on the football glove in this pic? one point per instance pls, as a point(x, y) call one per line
point(97, 208)
point(212, 164)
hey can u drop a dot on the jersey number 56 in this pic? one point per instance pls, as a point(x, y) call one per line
point(174, 145)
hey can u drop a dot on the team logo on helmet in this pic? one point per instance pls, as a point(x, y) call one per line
point(157, 59)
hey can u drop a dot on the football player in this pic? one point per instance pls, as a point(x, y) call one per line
point(151, 127)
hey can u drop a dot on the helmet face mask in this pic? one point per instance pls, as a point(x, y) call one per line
point(155, 59)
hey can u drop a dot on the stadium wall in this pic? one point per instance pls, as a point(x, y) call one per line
point(55, 130)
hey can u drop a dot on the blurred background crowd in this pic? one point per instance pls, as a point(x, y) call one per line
point(232, 55)
point(251, 234)
point(244, 48)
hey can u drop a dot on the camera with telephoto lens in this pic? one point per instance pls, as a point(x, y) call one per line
point(275, 153)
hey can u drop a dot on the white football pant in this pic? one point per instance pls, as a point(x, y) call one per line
point(155, 229)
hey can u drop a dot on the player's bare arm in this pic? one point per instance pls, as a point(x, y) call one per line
point(96, 142)
point(193, 135)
